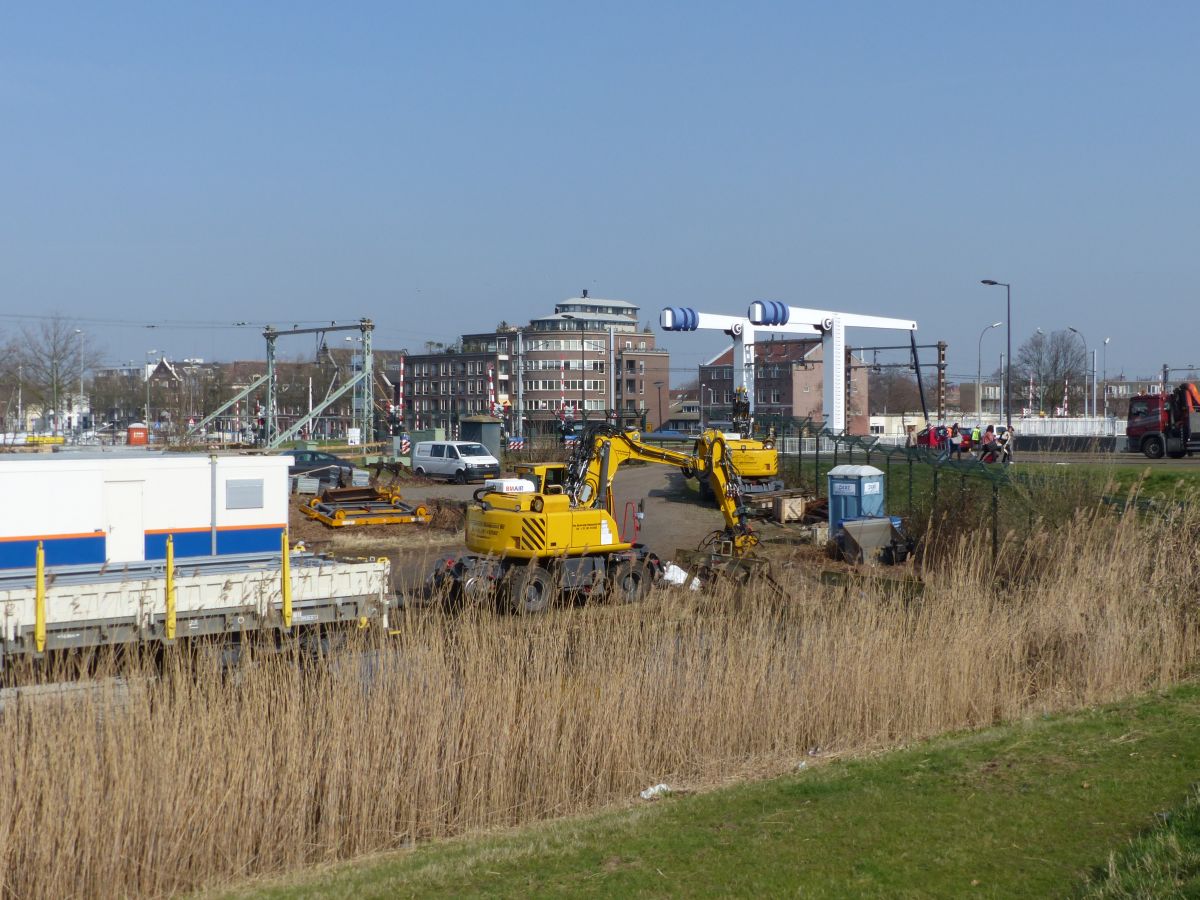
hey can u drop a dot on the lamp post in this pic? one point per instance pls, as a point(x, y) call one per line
point(659, 385)
point(54, 363)
point(979, 371)
point(150, 353)
point(1007, 372)
point(1003, 385)
point(1085, 372)
point(79, 362)
point(1104, 375)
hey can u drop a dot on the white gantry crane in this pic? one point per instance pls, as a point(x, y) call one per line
point(772, 315)
point(742, 330)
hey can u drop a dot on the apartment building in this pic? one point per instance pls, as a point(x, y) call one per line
point(587, 360)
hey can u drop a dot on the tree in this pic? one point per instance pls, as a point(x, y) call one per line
point(1055, 362)
point(53, 356)
point(892, 390)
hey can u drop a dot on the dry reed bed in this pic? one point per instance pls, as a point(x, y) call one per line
point(190, 780)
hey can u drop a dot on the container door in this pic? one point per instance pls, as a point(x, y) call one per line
point(124, 521)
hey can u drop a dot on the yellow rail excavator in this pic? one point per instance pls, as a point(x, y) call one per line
point(551, 532)
point(755, 459)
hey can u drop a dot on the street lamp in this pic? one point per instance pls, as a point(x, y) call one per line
point(1007, 372)
point(1104, 375)
point(659, 385)
point(79, 362)
point(1085, 372)
point(150, 353)
point(979, 371)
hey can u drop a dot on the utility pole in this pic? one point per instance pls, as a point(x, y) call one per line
point(941, 381)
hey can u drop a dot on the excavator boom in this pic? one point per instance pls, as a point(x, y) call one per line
point(605, 448)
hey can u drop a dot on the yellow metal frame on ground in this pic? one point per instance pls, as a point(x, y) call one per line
point(343, 518)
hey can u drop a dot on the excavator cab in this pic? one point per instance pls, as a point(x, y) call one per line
point(546, 478)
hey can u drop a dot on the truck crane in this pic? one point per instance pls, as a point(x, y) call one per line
point(1165, 423)
point(552, 532)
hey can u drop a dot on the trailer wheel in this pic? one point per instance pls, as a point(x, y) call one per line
point(628, 582)
point(1153, 447)
point(530, 590)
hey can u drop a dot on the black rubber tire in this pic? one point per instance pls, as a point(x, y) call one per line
point(1153, 447)
point(628, 582)
point(419, 470)
point(530, 590)
point(460, 477)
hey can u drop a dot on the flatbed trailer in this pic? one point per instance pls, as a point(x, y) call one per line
point(79, 606)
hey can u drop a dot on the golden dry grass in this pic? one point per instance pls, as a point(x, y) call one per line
point(164, 782)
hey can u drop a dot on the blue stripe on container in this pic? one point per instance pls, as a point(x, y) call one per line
point(187, 543)
point(68, 551)
point(249, 540)
point(199, 543)
point(91, 549)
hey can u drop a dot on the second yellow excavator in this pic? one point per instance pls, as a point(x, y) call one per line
point(755, 459)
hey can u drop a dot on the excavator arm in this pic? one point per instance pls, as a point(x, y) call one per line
point(603, 449)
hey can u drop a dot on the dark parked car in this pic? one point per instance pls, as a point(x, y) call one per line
point(324, 466)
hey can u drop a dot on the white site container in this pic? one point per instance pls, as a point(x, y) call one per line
point(96, 508)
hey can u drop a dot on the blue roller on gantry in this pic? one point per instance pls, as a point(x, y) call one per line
point(741, 329)
point(775, 315)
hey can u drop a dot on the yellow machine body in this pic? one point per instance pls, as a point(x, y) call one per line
point(549, 522)
point(533, 526)
point(753, 458)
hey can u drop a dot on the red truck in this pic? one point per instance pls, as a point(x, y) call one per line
point(1165, 423)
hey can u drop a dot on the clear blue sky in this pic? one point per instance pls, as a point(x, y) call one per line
point(440, 167)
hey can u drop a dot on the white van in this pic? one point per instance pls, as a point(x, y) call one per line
point(460, 461)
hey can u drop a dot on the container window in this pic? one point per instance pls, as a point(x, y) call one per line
point(244, 493)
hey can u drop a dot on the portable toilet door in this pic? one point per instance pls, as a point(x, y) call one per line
point(854, 492)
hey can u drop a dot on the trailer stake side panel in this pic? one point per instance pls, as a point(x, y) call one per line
point(83, 607)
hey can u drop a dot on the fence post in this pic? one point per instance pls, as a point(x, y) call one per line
point(910, 479)
point(887, 476)
point(817, 465)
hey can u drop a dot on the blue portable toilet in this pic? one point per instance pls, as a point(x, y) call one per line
point(854, 492)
